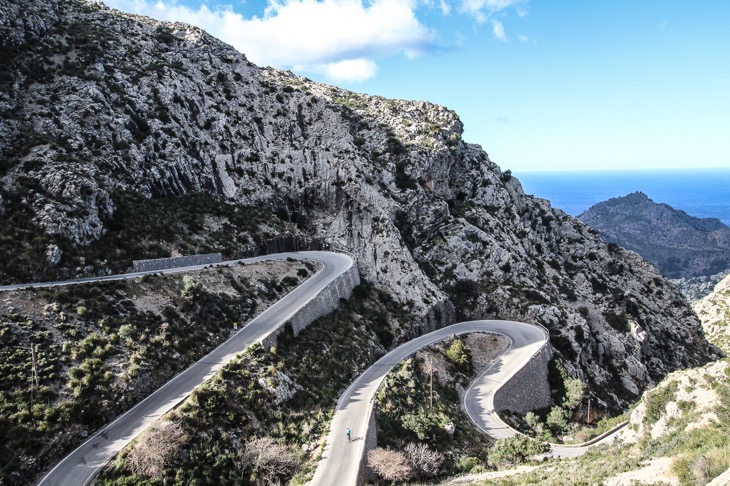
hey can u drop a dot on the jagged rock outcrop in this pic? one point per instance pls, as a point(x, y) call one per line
point(714, 313)
point(21, 22)
point(697, 288)
point(99, 105)
point(679, 245)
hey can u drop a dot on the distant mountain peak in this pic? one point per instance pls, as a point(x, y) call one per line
point(679, 245)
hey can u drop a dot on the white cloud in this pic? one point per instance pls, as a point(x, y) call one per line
point(498, 30)
point(351, 70)
point(523, 38)
point(330, 36)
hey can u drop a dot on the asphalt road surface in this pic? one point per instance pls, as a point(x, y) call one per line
point(526, 341)
point(341, 458)
point(559, 450)
point(80, 467)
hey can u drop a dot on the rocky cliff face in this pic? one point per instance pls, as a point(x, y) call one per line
point(99, 107)
point(714, 312)
point(679, 245)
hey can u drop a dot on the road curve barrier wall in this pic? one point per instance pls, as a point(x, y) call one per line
point(325, 302)
point(365, 474)
point(528, 389)
point(176, 262)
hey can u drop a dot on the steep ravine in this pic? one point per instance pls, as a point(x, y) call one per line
point(122, 137)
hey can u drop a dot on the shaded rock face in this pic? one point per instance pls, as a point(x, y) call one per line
point(103, 103)
point(679, 245)
point(22, 22)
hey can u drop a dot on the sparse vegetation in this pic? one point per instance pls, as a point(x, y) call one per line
point(411, 419)
point(283, 397)
point(656, 401)
point(139, 228)
point(85, 368)
point(699, 448)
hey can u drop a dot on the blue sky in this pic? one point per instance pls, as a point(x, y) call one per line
point(541, 85)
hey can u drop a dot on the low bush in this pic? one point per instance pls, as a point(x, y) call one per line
point(657, 400)
point(390, 465)
point(512, 451)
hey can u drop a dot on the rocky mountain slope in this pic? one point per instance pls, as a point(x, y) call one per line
point(677, 435)
point(683, 424)
point(122, 137)
point(697, 288)
point(714, 312)
point(679, 245)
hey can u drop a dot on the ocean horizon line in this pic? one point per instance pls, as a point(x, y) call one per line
point(702, 193)
point(517, 172)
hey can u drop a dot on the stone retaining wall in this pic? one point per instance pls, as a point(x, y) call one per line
point(325, 302)
point(176, 262)
point(529, 388)
point(366, 475)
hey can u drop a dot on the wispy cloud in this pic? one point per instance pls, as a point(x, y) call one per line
point(498, 30)
point(483, 10)
point(445, 7)
point(502, 119)
point(339, 38)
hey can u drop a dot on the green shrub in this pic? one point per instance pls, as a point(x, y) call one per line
point(656, 401)
point(458, 354)
point(507, 452)
point(468, 464)
point(557, 420)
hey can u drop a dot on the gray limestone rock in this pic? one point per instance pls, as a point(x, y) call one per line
point(53, 255)
point(165, 110)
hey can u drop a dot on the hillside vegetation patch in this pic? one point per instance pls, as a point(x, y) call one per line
point(419, 405)
point(278, 399)
point(74, 357)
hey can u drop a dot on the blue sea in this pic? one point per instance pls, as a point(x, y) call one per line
point(703, 193)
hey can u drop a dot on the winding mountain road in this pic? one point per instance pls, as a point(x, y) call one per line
point(82, 465)
point(341, 459)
